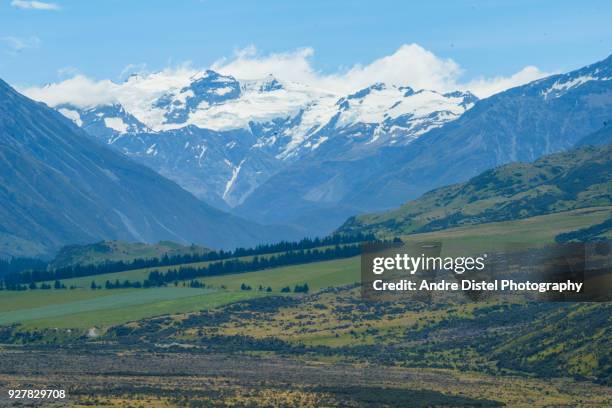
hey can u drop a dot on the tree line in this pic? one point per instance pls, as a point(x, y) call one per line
point(232, 266)
point(191, 273)
point(18, 264)
point(15, 277)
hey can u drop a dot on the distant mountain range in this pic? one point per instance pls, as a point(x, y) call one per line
point(520, 124)
point(58, 187)
point(285, 153)
point(221, 138)
point(578, 178)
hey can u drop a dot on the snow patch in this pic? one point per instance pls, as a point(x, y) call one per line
point(560, 87)
point(72, 115)
point(152, 150)
point(232, 180)
point(117, 124)
point(201, 155)
point(221, 91)
point(385, 103)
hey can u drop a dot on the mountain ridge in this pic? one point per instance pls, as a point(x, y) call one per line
point(520, 124)
point(579, 178)
point(244, 132)
point(58, 186)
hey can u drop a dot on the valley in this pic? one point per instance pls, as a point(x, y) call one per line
point(82, 308)
point(193, 238)
point(249, 345)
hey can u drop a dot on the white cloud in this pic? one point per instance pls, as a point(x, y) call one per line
point(290, 66)
point(78, 90)
point(136, 91)
point(34, 5)
point(18, 44)
point(483, 87)
point(411, 65)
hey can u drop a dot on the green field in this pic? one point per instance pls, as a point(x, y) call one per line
point(87, 308)
point(142, 274)
point(83, 308)
point(107, 300)
point(533, 231)
point(121, 307)
point(318, 275)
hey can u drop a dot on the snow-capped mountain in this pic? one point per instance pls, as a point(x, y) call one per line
point(288, 153)
point(519, 124)
point(221, 138)
point(206, 90)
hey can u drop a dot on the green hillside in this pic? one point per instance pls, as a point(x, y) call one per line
point(560, 182)
point(104, 251)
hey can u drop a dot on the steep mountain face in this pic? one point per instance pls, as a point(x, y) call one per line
point(599, 137)
point(575, 179)
point(221, 138)
point(520, 124)
point(203, 161)
point(57, 187)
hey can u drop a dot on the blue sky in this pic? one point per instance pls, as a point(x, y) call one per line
point(49, 41)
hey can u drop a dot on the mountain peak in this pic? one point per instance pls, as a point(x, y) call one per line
point(407, 90)
point(362, 93)
point(207, 88)
point(468, 98)
point(269, 84)
point(211, 76)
